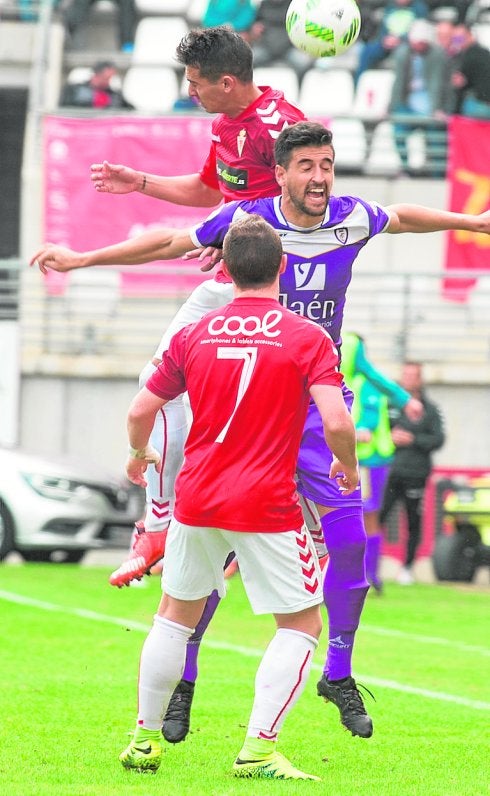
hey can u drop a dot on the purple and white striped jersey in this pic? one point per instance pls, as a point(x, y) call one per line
point(319, 259)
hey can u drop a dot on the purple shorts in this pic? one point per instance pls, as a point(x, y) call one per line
point(314, 460)
point(373, 480)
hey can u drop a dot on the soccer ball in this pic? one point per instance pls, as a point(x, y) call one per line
point(323, 28)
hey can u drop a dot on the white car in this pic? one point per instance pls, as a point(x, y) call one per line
point(51, 509)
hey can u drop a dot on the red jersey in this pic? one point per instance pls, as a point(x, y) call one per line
point(241, 160)
point(248, 367)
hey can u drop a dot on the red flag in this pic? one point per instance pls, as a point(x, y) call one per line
point(469, 175)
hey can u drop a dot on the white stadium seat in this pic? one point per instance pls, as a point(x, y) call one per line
point(281, 77)
point(153, 89)
point(327, 92)
point(349, 140)
point(156, 40)
point(79, 74)
point(373, 93)
point(383, 157)
point(162, 7)
point(481, 32)
point(195, 12)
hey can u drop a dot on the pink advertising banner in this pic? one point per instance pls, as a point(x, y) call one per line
point(76, 215)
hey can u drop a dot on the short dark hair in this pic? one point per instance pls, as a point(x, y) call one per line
point(299, 135)
point(215, 52)
point(252, 252)
point(101, 66)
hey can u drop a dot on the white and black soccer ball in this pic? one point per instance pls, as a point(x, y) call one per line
point(323, 28)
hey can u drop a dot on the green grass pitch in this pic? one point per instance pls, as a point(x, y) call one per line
point(69, 650)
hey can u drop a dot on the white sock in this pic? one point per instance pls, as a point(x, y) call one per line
point(161, 666)
point(168, 437)
point(280, 680)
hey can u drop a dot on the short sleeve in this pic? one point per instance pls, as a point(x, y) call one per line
point(168, 381)
point(208, 174)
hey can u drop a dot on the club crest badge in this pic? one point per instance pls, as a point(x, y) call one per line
point(341, 234)
point(240, 141)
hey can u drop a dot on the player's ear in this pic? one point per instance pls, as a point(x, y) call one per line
point(224, 269)
point(229, 83)
point(280, 174)
point(284, 260)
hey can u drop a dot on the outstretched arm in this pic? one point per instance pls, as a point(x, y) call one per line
point(417, 218)
point(185, 189)
point(162, 244)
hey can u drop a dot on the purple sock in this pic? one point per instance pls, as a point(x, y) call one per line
point(345, 586)
point(194, 643)
point(373, 550)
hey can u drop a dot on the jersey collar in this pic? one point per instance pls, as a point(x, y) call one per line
point(284, 222)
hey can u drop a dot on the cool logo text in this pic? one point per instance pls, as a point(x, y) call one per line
point(248, 327)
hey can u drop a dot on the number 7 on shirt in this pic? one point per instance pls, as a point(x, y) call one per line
point(249, 357)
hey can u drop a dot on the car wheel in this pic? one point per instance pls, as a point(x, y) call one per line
point(6, 531)
point(54, 556)
point(72, 556)
point(455, 556)
point(36, 555)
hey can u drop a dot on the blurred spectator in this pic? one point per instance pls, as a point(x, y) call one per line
point(77, 11)
point(28, 10)
point(270, 41)
point(374, 451)
point(421, 89)
point(238, 14)
point(186, 103)
point(444, 34)
point(471, 74)
point(371, 15)
point(412, 462)
point(97, 92)
point(396, 21)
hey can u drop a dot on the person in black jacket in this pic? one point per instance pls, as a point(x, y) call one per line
point(97, 92)
point(470, 77)
point(412, 461)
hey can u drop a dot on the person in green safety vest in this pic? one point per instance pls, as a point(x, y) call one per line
point(374, 451)
point(372, 391)
point(354, 361)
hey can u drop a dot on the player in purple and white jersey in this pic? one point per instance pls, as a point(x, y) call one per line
point(325, 251)
point(322, 236)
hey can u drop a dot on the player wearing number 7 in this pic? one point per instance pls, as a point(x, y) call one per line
point(250, 369)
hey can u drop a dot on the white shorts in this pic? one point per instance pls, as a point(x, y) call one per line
point(209, 295)
point(280, 571)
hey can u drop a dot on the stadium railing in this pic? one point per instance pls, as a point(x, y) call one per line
point(94, 328)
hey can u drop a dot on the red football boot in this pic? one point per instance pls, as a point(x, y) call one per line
point(148, 548)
